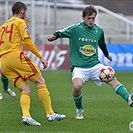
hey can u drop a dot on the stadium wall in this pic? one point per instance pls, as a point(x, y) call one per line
point(58, 57)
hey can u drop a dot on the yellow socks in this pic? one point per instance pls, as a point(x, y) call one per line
point(44, 97)
point(25, 104)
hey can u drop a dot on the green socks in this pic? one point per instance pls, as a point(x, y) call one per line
point(78, 101)
point(122, 91)
point(119, 89)
point(5, 82)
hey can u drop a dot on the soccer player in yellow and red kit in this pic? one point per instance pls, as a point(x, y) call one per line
point(19, 68)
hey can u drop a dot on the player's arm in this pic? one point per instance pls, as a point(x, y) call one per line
point(105, 51)
point(103, 47)
point(57, 35)
point(28, 42)
point(53, 37)
point(63, 33)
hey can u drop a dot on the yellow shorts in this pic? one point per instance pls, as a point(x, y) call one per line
point(0, 63)
point(0, 67)
point(19, 68)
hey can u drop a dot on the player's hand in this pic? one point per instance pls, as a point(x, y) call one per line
point(109, 58)
point(51, 38)
point(44, 62)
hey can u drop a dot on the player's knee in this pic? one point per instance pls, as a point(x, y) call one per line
point(40, 81)
point(114, 82)
point(26, 89)
point(77, 85)
point(77, 88)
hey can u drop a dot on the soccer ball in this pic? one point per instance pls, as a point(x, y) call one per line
point(106, 74)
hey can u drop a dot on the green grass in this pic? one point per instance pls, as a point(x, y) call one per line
point(105, 111)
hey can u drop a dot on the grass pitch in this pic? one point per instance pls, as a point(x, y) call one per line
point(105, 111)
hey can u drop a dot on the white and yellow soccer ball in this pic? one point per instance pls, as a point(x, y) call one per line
point(106, 74)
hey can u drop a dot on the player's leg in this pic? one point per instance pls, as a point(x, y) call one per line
point(33, 73)
point(76, 92)
point(45, 99)
point(25, 103)
point(24, 87)
point(77, 97)
point(120, 89)
point(5, 82)
point(19, 80)
point(43, 94)
point(79, 77)
point(7, 90)
point(115, 84)
point(24, 99)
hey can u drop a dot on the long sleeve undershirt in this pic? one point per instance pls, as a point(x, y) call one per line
point(28, 42)
point(104, 49)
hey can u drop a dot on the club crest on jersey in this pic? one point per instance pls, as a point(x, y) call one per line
point(87, 50)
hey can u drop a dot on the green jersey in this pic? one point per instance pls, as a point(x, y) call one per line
point(84, 42)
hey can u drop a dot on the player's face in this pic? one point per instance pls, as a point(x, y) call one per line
point(89, 20)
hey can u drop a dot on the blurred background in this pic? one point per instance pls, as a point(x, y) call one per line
point(47, 16)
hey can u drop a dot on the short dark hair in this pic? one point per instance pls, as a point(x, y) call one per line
point(17, 7)
point(88, 11)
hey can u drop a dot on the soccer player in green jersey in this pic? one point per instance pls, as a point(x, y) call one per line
point(84, 40)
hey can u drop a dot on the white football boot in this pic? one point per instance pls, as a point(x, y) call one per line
point(10, 92)
point(30, 121)
point(55, 116)
point(130, 100)
point(79, 114)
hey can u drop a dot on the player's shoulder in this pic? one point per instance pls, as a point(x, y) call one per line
point(17, 20)
point(14, 19)
point(96, 26)
point(70, 27)
point(77, 26)
point(73, 25)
